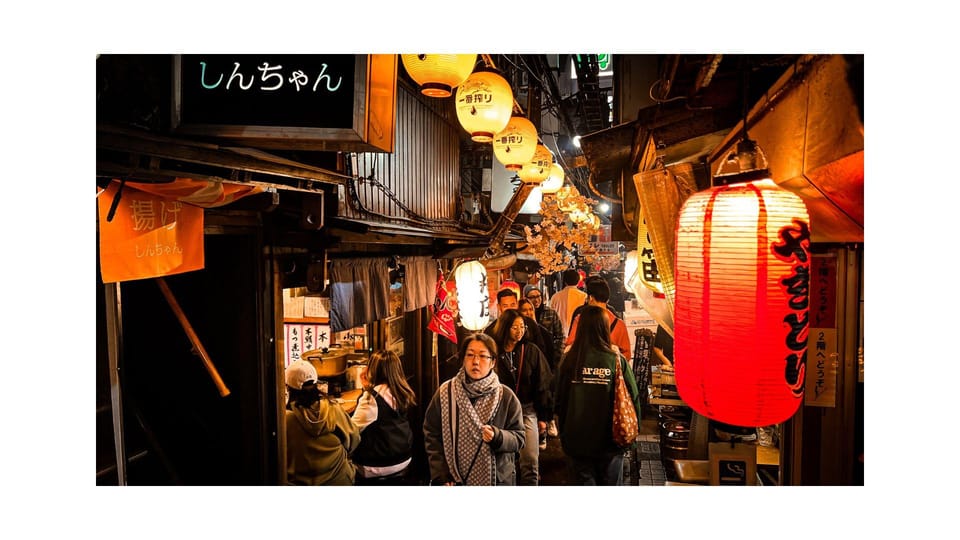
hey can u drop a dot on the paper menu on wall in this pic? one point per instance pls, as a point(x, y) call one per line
point(315, 306)
point(293, 307)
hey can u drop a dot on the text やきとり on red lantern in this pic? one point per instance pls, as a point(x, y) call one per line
point(742, 302)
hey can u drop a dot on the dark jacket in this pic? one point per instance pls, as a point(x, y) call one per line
point(387, 441)
point(550, 320)
point(507, 440)
point(535, 384)
point(585, 407)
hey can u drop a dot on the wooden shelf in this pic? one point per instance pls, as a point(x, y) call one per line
point(307, 320)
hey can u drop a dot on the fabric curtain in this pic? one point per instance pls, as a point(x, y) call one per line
point(359, 292)
point(419, 282)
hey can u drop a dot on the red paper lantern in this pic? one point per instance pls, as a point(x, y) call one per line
point(742, 297)
point(512, 285)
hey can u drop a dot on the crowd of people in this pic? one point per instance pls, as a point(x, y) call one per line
point(539, 369)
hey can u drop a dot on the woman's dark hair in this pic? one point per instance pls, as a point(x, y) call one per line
point(593, 333)
point(304, 397)
point(385, 368)
point(483, 338)
point(501, 330)
point(533, 334)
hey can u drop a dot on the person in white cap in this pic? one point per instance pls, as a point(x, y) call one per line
point(320, 435)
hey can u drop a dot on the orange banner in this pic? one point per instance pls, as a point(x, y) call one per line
point(203, 193)
point(149, 236)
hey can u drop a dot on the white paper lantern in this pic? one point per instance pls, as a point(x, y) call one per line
point(473, 297)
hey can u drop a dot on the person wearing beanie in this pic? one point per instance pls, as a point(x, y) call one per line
point(320, 435)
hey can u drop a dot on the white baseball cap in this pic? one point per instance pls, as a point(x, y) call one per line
point(300, 373)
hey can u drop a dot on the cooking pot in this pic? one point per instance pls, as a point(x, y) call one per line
point(328, 363)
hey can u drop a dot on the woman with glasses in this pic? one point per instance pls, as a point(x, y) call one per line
point(522, 366)
point(473, 426)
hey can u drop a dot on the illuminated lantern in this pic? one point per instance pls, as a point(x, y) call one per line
point(438, 74)
point(554, 180)
point(473, 298)
point(538, 168)
point(565, 198)
point(742, 302)
point(516, 144)
point(512, 285)
point(484, 105)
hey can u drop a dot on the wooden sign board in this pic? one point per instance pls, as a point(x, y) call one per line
point(322, 102)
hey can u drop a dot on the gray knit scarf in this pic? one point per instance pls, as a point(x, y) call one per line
point(461, 420)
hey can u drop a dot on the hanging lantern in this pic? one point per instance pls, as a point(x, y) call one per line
point(554, 180)
point(484, 105)
point(538, 168)
point(513, 286)
point(473, 298)
point(741, 307)
point(438, 74)
point(565, 198)
point(516, 144)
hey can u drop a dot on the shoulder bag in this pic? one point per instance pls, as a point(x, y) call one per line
point(625, 426)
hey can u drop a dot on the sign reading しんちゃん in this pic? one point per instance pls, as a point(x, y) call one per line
point(307, 101)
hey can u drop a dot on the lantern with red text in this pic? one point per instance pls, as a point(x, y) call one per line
point(473, 298)
point(742, 302)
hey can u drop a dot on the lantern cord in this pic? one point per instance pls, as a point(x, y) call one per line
point(746, 84)
point(488, 61)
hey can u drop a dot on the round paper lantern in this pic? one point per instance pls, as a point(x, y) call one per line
point(742, 302)
point(484, 105)
point(565, 196)
point(516, 144)
point(473, 299)
point(438, 74)
point(554, 180)
point(538, 168)
point(513, 286)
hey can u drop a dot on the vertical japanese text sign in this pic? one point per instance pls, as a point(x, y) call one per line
point(149, 236)
point(822, 355)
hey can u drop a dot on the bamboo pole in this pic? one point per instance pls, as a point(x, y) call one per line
point(182, 317)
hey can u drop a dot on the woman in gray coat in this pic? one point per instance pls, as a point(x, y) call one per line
point(473, 426)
